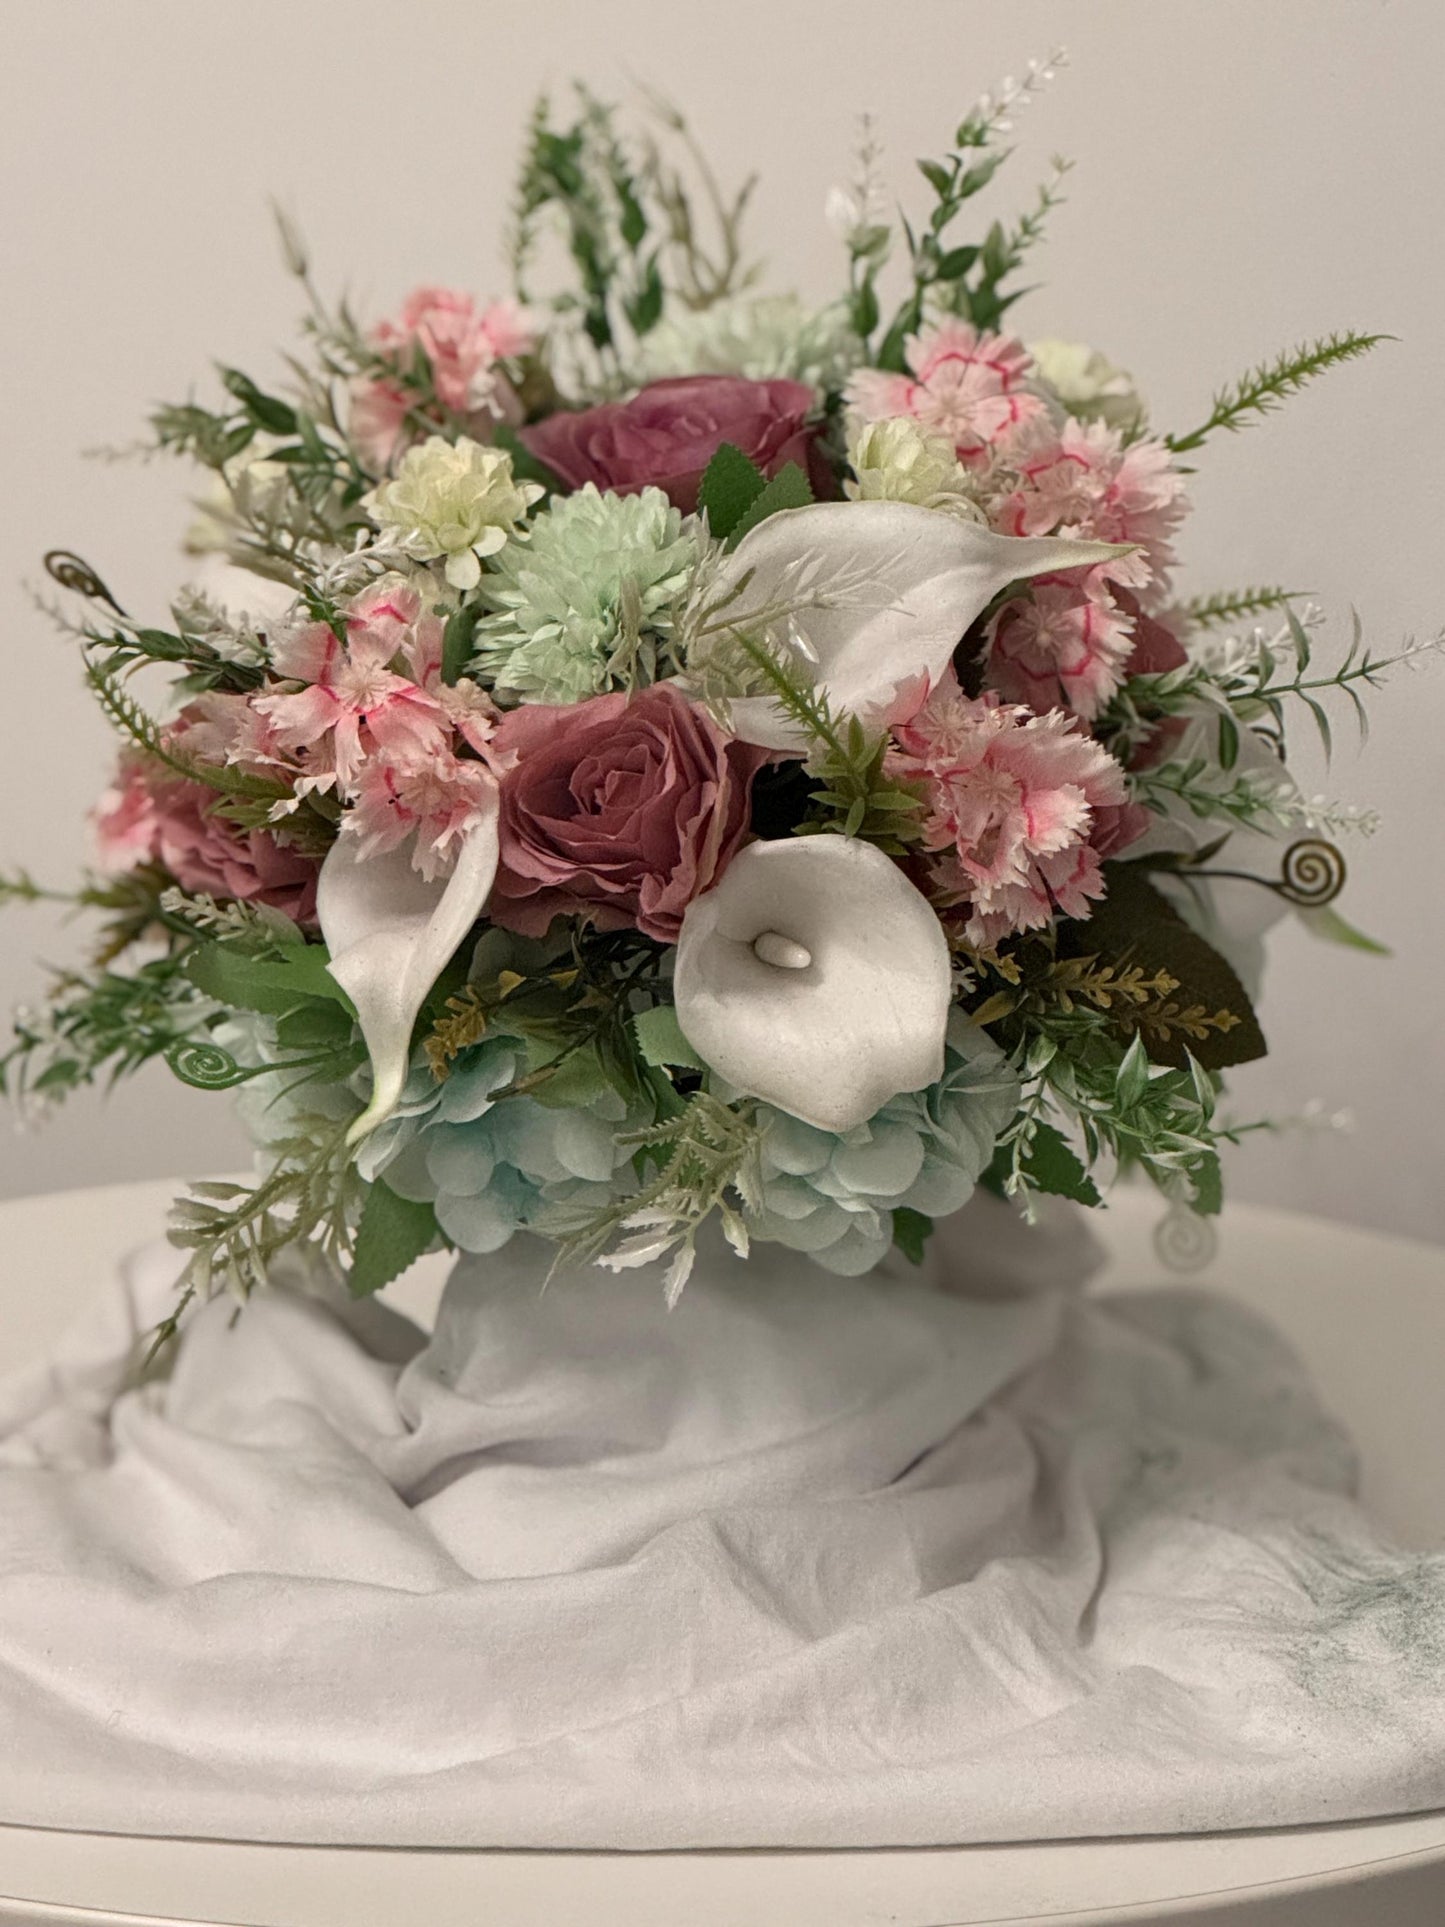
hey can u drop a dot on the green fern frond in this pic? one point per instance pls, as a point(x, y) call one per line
point(1265, 388)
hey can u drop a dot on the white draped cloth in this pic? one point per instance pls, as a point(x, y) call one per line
point(808, 1561)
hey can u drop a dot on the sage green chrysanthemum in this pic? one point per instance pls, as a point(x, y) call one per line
point(585, 601)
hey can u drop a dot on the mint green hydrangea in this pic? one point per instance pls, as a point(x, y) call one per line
point(587, 601)
point(767, 337)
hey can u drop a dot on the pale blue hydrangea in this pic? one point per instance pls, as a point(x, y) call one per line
point(492, 1169)
point(834, 1196)
point(586, 600)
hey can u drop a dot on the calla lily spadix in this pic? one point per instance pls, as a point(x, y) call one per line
point(391, 933)
point(879, 593)
point(816, 977)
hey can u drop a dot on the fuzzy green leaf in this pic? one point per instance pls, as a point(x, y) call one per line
point(272, 985)
point(393, 1233)
point(1327, 924)
point(729, 487)
point(789, 489)
point(660, 1041)
point(1208, 1180)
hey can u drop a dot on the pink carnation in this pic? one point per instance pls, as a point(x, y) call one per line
point(964, 384)
point(432, 795)
point(352, 701)
point(1011, 807)
point(151, 815)
point(462, 344)
point(1064, 645)
point(1080, 479)
point(619, 809)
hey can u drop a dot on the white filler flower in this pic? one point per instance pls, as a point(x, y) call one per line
point(816, 977)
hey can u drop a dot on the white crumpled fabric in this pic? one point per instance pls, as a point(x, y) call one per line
point(808, 1561)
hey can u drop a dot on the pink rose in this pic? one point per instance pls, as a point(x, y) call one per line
point(669, 432)
point(152, 816)
point(620, 809)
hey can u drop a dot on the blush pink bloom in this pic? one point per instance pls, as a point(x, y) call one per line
point(1064, 645)
point(619, 809)
point(967, 385)
point(1081, 480)
point(463, 345)
point(151, 815)
point(433, 795)
point(1071, 641)
point(352, 702)
point(1011, 805)
point(666, 435)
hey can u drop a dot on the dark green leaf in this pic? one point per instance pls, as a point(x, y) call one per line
point(525, 465)
point(789, 489)
point(457, 643)
point(1208, 1180)
point(911, 1232)
point(956, 263)
point(729, 487)
point(267, 411)
point(938, 177)
point(1136, 924)
point(1052, 1166)
point(1228, 742)
point(392, 1235)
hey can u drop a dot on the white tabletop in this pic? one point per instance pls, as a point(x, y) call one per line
point(1368, 1314)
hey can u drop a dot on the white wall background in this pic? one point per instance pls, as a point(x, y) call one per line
point(1246, 174)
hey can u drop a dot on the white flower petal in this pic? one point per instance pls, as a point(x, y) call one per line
point(390, 934)
point(901, 583)
point(829, 1043)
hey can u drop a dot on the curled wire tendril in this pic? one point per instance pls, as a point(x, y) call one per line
point(72, 571)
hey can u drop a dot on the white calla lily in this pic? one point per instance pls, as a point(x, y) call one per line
point(390, 933)
point(878, 594)
point(815, 976)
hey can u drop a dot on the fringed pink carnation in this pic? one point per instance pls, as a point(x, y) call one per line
point(463, 345)
point(432, 795)
point(1080, 480)
point(351, 701)
point(963, 384)
point(1011, 808)
point(1064, 645)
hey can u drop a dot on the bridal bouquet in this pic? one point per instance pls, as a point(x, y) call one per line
point(676, 753)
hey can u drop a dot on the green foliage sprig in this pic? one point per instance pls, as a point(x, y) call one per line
point(1266, 387)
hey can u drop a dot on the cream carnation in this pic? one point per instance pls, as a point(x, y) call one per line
point(898, 460)
point(457, 500)
point(1088, 384)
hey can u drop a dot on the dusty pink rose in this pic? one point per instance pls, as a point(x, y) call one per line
point(152, 816)
point(669, 432)
point(620, 809)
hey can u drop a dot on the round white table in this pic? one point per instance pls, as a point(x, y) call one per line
point(1367, 1313)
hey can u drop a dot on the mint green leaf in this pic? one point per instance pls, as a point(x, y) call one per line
point(392, 1235)
point(911, 1232)
point(271, 985)
point(730, 485)
point(660, 1041)
point(789, 489)
point(1131, 1080)
point(1327, 924)
point(1052, 1166)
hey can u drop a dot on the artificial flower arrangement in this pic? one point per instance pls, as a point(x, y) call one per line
point(686, 756)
